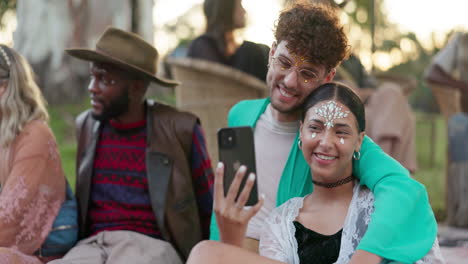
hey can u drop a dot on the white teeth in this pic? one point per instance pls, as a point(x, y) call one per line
point(325, 157)
point(285, 94)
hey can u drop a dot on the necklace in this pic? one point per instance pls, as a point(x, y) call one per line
point(334, 184)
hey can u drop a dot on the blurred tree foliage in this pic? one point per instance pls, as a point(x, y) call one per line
point(409, 56)
point(5, 6)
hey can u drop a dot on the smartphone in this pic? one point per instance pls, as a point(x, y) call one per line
point(236, 148)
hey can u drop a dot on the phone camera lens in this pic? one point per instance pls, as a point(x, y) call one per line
point(227, 138)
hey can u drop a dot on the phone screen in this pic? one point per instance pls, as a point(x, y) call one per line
point(236, 148)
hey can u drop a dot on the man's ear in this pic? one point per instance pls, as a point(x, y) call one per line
point(273, 48)
point(272, 51)
point(330, 75)
point(137, 89)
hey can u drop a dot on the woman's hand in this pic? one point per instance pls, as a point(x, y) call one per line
point(231, 216)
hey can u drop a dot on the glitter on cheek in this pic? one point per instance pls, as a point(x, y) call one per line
point(313, 135)
point(342, 141)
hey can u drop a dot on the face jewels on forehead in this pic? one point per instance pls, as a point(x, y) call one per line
point(299, 60)
point(331, 111)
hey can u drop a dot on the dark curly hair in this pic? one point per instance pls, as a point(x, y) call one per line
point(315, 31)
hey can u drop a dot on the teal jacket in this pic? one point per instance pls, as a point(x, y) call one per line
point(403, 226)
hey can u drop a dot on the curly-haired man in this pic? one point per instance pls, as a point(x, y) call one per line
point(310, 44)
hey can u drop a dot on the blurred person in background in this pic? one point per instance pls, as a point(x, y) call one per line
point(447, 75)
point(390, 119)
point(220, 44)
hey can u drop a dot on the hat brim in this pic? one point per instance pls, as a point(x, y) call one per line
point(96, 56)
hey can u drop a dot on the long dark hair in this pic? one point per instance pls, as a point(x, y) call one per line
point(340, 93)
point(219, 16)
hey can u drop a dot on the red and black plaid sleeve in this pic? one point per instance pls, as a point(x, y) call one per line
point(202, 176)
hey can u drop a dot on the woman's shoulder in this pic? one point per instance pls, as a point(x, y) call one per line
point(35, 136)
point(255, 46)
point(203, 38)
point(36, 129)
point(202, 46)
point(257, 50)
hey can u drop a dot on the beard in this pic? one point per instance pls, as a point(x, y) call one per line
point(115, 108)
point(278, 106)
point(294, 109)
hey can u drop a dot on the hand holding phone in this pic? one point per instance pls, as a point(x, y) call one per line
point(236, 148)
point(232, 216)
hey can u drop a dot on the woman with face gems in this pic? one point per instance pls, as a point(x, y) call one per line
point(327, 225)
point(32, 181)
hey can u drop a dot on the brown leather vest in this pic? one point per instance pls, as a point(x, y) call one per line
point(169, 141)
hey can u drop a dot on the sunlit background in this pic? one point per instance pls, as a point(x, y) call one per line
point(430, 20)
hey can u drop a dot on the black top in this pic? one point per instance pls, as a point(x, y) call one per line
point(251, 58)
point(313, 247)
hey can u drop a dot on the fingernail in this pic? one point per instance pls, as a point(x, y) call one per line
point(242, 168)
point(251, 177)
point(220, 164)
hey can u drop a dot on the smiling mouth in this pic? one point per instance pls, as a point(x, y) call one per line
point(284, 93)
point(324, 157)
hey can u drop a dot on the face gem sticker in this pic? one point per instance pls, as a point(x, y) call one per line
point(342, 141)
point(313, 135)
point(299, 60)
point(330, 111)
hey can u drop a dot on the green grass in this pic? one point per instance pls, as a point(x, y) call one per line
point(62, 122)
point(431, 144)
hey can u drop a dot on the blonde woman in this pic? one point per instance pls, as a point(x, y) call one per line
point(32, 181)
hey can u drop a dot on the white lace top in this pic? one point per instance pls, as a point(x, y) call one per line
point(278, 241)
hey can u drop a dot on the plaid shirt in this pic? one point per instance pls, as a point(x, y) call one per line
point(120, 198)
point(202, 175)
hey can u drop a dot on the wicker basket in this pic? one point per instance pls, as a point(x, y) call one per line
point(209, 90)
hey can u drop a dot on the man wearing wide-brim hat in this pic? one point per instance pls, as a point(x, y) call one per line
point(144, 179)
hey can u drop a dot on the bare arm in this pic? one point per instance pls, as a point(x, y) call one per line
point(437, 75)
point(213, 252)
point(387, 143)
point(364, 257)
